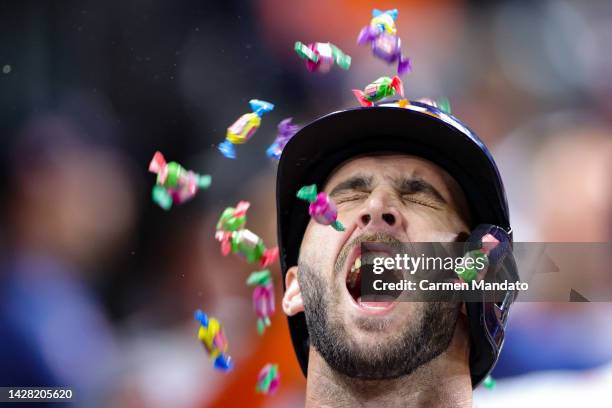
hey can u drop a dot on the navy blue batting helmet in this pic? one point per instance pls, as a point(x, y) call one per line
point(407, 127)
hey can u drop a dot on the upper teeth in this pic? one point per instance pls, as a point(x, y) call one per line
point(352, 276)
point(356, 265)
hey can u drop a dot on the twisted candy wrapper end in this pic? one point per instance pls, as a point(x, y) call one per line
point(241, 208)
point(337, 225)
point(305, 52)
point(224, 237)
point(269, 256)
point(223, 363)
point(227, 149)
point(340, 58)
point(344, 61)
point(159, 166)
point(204, 181)
point(286, 130)
point(396, 83)
point(259, 278)
point(308, 193)
point(161, 197)
point(226, 247)
point(392, 12)
point(441, 103)
point(262, 323)
point(260, 107)
point(274, 151)
point(157, 162)
point(444, 105)
point(404, 65)
point(489, 242)
point(201, 317)
point(361, 98)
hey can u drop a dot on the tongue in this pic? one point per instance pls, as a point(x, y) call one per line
point(374, 305)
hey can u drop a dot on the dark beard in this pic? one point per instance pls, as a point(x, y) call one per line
point(413, 347)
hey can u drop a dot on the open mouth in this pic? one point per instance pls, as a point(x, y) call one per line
point(354, 279)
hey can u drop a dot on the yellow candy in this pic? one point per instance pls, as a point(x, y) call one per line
point(242, 130)
point(207, 335)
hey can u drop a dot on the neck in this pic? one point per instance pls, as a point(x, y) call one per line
point(443, 382)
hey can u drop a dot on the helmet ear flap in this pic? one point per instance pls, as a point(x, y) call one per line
point(487, 319)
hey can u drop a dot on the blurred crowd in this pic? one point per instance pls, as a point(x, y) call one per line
point(98, 285)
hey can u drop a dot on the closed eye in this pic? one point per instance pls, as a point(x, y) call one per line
point(417, 200)
point(348, 197)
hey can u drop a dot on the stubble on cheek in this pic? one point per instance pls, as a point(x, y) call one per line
point(319, 254)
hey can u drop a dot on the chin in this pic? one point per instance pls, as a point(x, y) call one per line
point(377, 330)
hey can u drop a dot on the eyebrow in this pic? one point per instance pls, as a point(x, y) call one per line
point(419, 186)
point(355, 183)
point(411, 185)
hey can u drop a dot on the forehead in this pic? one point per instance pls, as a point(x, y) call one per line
point(392, 166)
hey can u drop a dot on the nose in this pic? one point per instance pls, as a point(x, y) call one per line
point(380, 213)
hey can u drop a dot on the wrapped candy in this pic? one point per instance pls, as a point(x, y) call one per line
point(381, 33)
point(472, 271)
point(173, 175)
point(213, 338)
point(441, 103)
point(244, 128)
point(322, 208)
point(263, 297)
point(381, 88)
point(252, 248)
point(320, 57)
point(236, 239)
point(268, 379)
point(381, 22)
point(233, 219)
point(489, 382)
point(175, 185)
point(286, 130)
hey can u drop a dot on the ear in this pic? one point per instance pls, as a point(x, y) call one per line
point(292, 299)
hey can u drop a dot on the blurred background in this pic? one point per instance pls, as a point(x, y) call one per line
point(98, 285)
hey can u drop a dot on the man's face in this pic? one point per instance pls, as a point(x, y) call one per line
point(389, 198)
